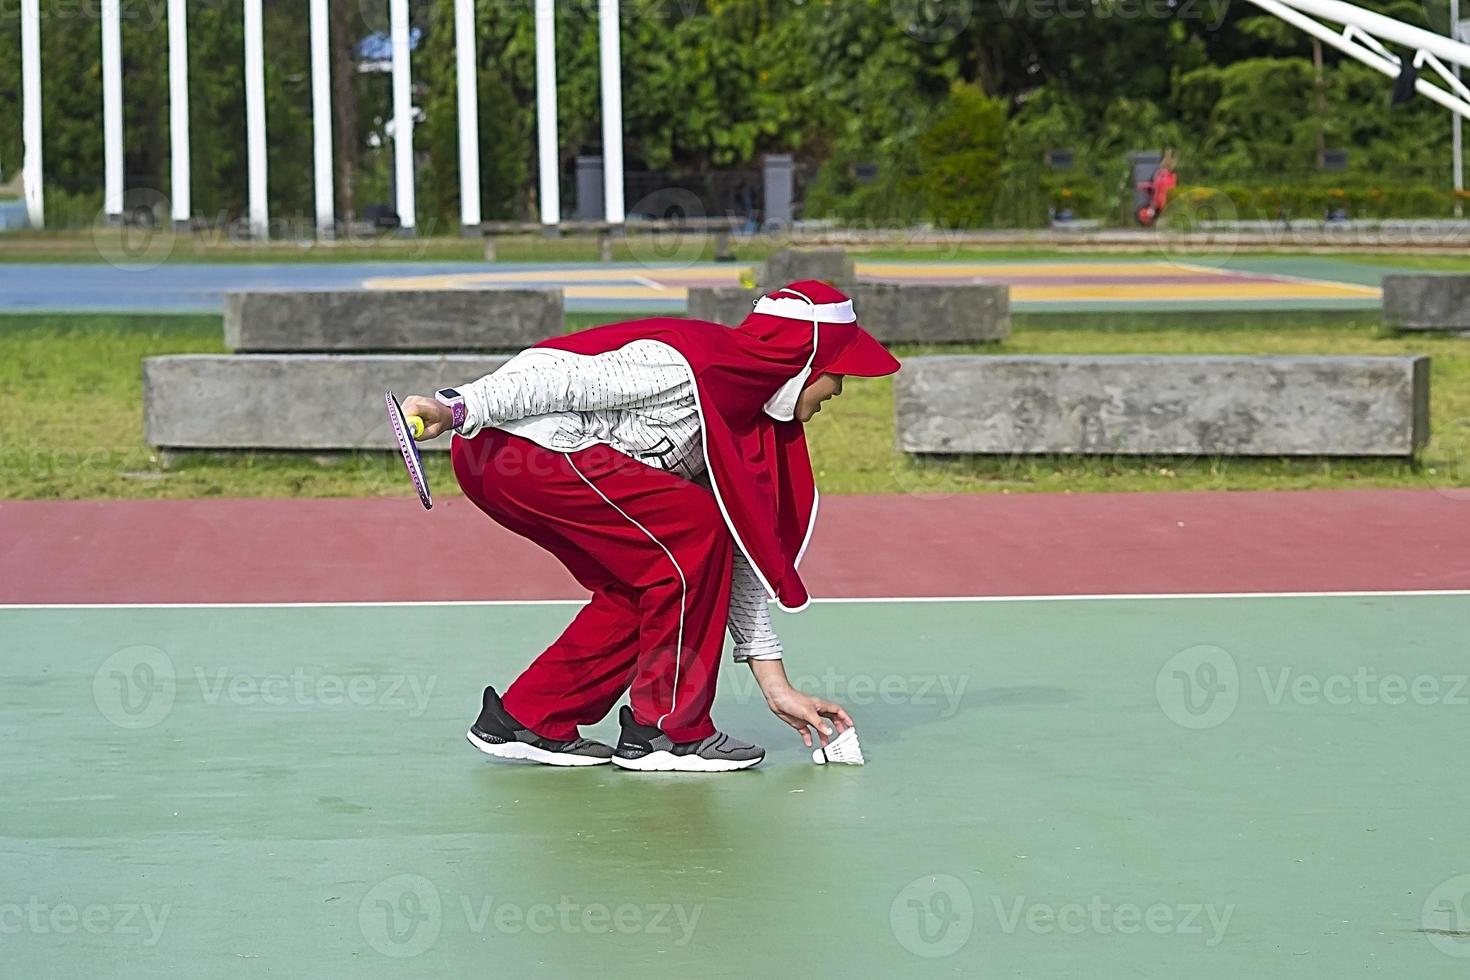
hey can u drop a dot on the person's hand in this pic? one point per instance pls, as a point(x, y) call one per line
point(803, 712)
point(438, 418)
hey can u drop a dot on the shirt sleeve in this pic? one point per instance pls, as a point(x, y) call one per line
point(542, 382)
point(750, 615)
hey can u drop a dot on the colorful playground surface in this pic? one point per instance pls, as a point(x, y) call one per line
point(1184, 283)
point(1099, 745)
point(1038, 285)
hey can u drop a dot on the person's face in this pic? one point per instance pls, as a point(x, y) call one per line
point(810, 403)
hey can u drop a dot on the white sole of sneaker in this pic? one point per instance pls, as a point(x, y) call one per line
point(668, 762)
point(530, 753)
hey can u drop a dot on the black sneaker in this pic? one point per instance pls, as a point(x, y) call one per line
point(645, 747)
point(497, 733)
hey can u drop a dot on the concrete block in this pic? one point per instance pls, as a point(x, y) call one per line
point(392, 319)
point(893, 312)
point(1167, 405)
point(961, 313)
point(1431, 303)
point(792, 264)
point(721, 304)
point(290, 401)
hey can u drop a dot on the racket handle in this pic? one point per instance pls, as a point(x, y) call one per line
point(416, 426)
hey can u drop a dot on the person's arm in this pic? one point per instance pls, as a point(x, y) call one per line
point(757, 644)
point(749, 621)
point(800, 711)
point(542, 381)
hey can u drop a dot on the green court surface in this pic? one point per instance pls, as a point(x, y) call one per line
point(1188, 787)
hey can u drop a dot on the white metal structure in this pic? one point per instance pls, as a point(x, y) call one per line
point(255, 160)
point(178, 110)
point(321, 119)
point(469, 113)
point(112, 112)
point(1363, 34)
point(550, 180)
point(257, 135)
point(256, 130)
point(402, 115)
point(30, 83)
point(610, 51)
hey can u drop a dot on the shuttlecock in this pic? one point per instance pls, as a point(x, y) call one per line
point(844, 748)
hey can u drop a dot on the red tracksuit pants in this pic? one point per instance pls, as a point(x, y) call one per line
point(655, 553)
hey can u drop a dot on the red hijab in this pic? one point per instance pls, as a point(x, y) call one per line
point(747, 380)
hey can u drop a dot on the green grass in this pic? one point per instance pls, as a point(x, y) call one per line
point(77, 381)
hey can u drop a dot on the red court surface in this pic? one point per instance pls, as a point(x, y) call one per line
point(205, 551)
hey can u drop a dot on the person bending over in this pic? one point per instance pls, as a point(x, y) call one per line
point(663, 462)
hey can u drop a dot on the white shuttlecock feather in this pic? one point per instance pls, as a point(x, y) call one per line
point(844, 748)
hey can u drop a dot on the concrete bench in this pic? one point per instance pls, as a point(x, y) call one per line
point(290, 401)
point(1430, 303)
point(895, 313)
point(721, 228)
point(832, 265)
point(392, 319)
point(1179, 405)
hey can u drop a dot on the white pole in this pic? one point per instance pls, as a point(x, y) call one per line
point(550, 181)
point(612, 110)
point(1456, 137)
point(178, 110)
point(255, 161)
point(30, 72)
point(402, 114)
point(469, 115)
point(112, 137)
point(321, 119)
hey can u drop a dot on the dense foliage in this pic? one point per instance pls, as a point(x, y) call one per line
point(899, 110)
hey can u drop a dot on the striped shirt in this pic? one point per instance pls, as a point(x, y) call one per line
point(638, 399)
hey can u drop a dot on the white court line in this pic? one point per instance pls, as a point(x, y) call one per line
point(1096, 597)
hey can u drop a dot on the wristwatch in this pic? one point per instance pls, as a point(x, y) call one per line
point(455, 402)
